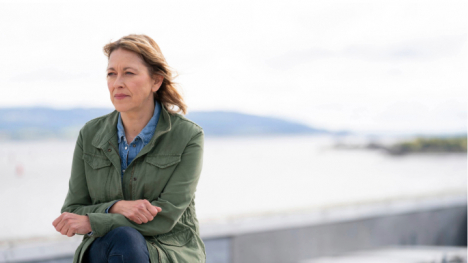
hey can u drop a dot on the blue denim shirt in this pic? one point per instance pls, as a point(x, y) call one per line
point(127, 151)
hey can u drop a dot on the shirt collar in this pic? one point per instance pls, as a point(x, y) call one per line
point(147, 133)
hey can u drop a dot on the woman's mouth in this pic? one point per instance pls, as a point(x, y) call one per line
point(120, 96)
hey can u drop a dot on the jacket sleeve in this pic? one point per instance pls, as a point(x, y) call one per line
point(78, 200)
point(174, 200)
point(107, 211)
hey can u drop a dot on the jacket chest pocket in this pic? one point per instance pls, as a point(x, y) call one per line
point(159, 168)
point(97, 174)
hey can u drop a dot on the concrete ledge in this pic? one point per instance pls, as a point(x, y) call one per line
point(328, 215)
point(301, 234)
point(399, 254)
point(39, 250)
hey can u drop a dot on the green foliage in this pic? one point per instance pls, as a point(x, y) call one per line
point(453, 144)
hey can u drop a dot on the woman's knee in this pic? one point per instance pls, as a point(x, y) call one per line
point(119, 243)
point(127, 233)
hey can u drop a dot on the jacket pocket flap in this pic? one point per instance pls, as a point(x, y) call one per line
point(163, 160)
point(177, 239)
point(96, 162)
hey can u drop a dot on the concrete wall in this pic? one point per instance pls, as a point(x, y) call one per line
point(299, 236)
point(438, 227)
point(438, 221)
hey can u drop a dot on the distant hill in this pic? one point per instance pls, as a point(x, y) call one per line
point(41, 122)
point(233, 123)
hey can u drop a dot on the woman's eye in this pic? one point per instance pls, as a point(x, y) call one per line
point(111, 73)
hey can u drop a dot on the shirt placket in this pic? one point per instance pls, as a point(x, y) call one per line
point(126, 150)
point(131, 151)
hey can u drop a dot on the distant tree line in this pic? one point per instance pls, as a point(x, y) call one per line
point(441, 144)
point(426, 145)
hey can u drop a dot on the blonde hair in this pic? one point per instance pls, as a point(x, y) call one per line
point(149, 51)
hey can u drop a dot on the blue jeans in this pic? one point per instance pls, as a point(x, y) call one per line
point(122, 244)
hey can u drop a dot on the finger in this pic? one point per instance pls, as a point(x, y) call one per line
point(66, 217)
point(57, 220)
point(61, 223)
point(70, 232)
point(152, 210)
point(135, 219)
point(143, 218)
point(157, 209)
point(64, 229)
point(147, 216)
point(140, 214)
point(143, 213)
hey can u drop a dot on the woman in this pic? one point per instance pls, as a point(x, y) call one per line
point(134, 202)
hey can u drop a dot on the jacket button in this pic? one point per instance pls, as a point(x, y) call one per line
point(134, 178)
point(109, 150)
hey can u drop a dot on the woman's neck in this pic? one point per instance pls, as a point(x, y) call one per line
point(134, 122)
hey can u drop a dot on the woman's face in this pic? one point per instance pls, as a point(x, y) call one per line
point(130, 86)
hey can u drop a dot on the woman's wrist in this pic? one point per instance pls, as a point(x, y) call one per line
point(115, 207)
point(88, 224)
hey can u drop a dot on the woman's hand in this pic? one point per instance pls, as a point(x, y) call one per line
point(139, 211)
point(70, 224)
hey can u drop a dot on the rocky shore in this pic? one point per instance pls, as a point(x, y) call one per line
point(417, 145)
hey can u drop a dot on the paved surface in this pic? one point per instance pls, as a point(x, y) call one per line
point(402, 254)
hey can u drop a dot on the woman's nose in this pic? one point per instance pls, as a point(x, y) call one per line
point(118, 82)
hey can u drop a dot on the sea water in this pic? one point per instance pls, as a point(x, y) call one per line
point(241, 177)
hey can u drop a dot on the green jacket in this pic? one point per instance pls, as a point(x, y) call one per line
point(165, 172)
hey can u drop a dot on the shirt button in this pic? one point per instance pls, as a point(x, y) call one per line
point(134, 145)
point(123, 171)
point(109, 150)
point(125, 147)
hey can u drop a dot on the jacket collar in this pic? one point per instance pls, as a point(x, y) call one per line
point(108, 130)
point(147, 132)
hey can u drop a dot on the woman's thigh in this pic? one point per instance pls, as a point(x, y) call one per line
point(122, 244)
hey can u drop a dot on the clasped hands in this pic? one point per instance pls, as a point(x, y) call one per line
point(138, 211)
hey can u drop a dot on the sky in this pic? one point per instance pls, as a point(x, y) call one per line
point(365, 66)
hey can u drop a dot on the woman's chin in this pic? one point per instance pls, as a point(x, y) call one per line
point(120, 107)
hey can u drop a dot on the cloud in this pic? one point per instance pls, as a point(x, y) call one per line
point(297, 57)
point(49, 74)
point(418, 49)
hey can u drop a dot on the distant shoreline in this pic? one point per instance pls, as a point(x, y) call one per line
point(32, 123)
point(420, 145)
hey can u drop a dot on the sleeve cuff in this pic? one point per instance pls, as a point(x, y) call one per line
point(107, 210)
point(101, 223)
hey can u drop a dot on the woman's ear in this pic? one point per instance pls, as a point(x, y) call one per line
point(158, 80)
